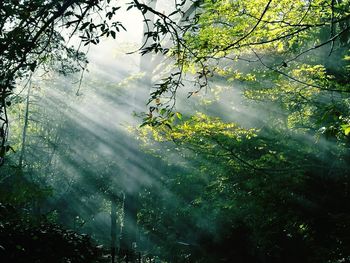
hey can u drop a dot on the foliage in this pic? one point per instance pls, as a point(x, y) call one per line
point(31, 39)
point(269, 190)
point(24, 240)
point(273, 190)
point(280, 48)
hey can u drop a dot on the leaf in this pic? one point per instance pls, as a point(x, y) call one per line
point(84, 25)
point(32, 66)
point(168, 125)
point(122, 27)
point(113, 34)
point(173, 13)
point(346, 129)
point(179, 115)
point(143, 124)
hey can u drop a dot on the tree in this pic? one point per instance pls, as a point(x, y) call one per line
point(30, 38)
point(278, 39)
point(281, 54)
point(271, 186)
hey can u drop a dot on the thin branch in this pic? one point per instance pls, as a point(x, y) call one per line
point(251, 31)
point(295, 79)
point(319, 45)
point(332, 27)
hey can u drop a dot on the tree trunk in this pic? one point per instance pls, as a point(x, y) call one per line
point(25, 128)
point(128, 239)
point(113, 228)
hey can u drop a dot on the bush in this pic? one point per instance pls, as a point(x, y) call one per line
point(24, 240)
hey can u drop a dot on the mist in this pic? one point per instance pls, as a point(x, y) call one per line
point(241, 172)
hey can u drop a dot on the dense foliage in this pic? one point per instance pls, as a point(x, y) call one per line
point(283, 185)
point(42, 241)
point(252, 167)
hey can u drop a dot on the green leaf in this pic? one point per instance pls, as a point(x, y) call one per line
point(179, 115)
point(346, 129)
